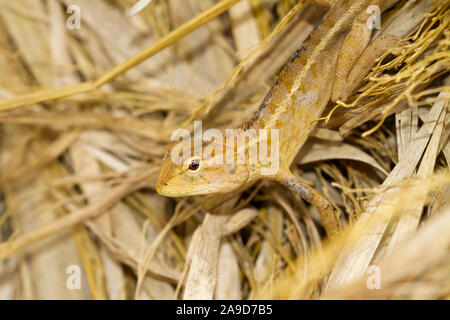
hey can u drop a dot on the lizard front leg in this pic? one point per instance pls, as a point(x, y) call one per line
point(298, 186)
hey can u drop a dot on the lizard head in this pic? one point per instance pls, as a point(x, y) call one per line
point(189, 174)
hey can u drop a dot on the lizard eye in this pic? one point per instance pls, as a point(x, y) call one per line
point(194, 165)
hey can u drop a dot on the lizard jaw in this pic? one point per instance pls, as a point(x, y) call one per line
point(164, 191)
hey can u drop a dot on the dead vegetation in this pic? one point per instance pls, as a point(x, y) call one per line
point(86, 114)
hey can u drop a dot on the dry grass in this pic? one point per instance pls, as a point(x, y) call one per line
point(85, 117)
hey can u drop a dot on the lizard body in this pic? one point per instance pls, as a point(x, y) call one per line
point(314, 74)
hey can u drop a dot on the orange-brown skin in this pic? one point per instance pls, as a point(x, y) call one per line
point(316, 72)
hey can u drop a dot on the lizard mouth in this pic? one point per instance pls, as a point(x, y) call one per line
point(166, 191)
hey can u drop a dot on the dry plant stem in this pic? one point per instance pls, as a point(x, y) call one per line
point(88, 120)
point(407, 264)
point(406, 126)
point(327, 150)
point(84, 163)
point(202, 277)
point(318, 263)
point(153, 269)
point(148, 257)
point(52, 152)
point(411, 213)
point(54, 94)
point(244, 27)
point(238, 220)
point(360, 248)
point(150, 251)
point(121, 253)
point(228, 285)
point(245, 69)
point(204, 253)
point(13, 246)
point(192, 247)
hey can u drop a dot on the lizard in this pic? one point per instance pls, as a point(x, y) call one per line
point(329, 64)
